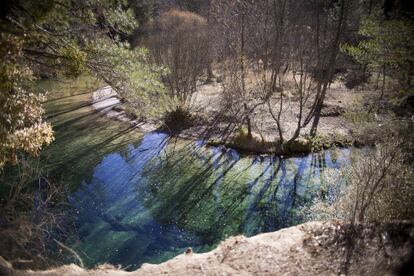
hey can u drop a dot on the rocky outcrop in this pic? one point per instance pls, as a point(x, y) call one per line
point(314, 248)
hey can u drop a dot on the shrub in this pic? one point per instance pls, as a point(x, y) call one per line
point(177, 120)
point(378, 186)
point(356, 78)
point(31, 215)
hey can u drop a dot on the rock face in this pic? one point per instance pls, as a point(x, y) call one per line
point(314, 248)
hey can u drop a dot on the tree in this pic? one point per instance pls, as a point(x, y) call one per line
point(328, 47)
point(387, 47)
point(130, 73)
point(265, 43)
point(235, 24)
point(47, 38)
point(179, 43)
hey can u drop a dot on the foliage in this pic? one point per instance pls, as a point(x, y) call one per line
point(62, 37)
point(370, 128)
point(242, 137)
point(251, 142)
point(320, 142)
point(359, 114)
point(21, 124)
point(378, 186)
point(137, 82)
point(387, 48)
point(177, 120)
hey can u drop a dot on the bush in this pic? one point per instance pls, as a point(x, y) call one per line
point(177, 120)
point(356, 78)
point(378, 186)
point(31, 215)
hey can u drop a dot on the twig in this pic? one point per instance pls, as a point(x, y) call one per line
point(71, 251)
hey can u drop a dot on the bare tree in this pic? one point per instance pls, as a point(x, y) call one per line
point(178, 42)
point(311, 40)
point(237, 25)
point(327, 52)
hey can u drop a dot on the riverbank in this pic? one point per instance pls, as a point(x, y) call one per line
point(335, 131)
point(105, 101)
point(313, 248)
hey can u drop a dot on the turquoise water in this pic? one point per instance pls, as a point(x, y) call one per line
point(150, 201)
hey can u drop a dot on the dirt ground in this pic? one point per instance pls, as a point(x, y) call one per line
point(313, 248)
point(207, 104)
point(209, 97)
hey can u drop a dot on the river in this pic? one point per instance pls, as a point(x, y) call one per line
point(149, 202)
point(140, 198)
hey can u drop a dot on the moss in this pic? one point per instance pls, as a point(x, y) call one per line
point(340, 140)
point(256, 144)
point(215, 142)
point(320, 142)
point(300, 145)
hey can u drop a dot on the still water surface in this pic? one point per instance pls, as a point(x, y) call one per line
point(151, 200)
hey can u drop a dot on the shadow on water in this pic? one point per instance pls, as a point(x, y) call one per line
point(146, 198)
point(152, 200)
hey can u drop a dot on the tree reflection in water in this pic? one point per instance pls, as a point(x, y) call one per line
point(149, 203)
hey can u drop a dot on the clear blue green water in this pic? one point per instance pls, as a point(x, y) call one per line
point(146, 198)
point(152, 199)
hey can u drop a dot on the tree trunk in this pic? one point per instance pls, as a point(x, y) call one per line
point(248, 121)
point(210, 74)
point(318, 109)
point(243, 79)
point(328, 74)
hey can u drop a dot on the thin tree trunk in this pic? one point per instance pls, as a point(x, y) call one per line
point(243, 80)
point(210, 74)
point(327, 77)
point(382, 87)
point(318, 109)
point(248, 121)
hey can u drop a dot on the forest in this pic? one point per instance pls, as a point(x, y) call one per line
point(135, 131)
